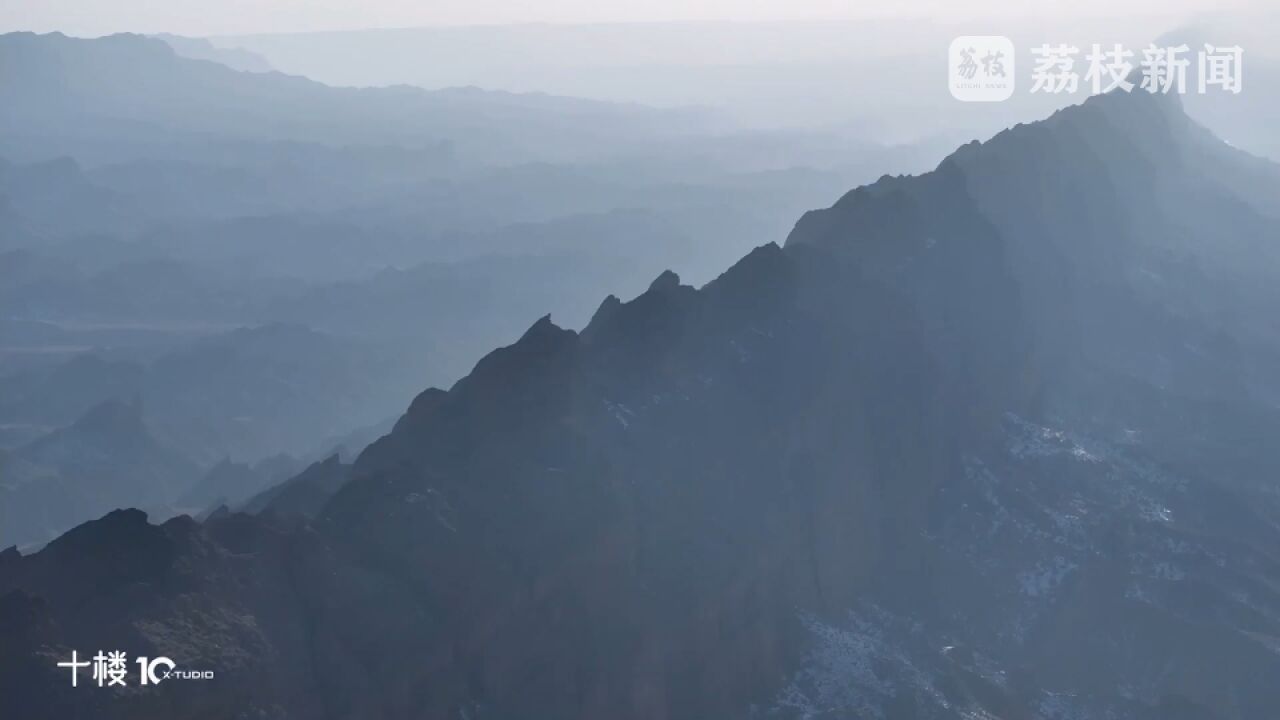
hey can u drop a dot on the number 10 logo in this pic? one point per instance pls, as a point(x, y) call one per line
point(147, 668)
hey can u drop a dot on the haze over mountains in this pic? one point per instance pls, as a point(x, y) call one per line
point(875, 79)
point(269, 265)
point(990, 441)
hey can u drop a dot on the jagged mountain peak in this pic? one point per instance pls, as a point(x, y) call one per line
point(603, 315)
point(425, 401)
point(665, 281)
point(543, 330)
point(1137, 129)
point(1154, 124)
point(305, 494)
point(520, 363)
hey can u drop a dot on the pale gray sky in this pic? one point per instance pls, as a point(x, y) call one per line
point(219, 17)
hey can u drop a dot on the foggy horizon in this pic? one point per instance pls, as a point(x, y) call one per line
point(80, 18)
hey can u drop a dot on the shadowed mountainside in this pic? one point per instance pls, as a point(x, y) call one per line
point(990, 441)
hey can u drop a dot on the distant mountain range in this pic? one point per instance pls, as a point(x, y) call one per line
point(270, 397)
point(791, 73)
point(201, 49)
point(106, 459)
point(991, 441)
point(272, 264)
point(81, 97)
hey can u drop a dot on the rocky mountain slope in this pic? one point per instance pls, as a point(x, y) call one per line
point(991, 442)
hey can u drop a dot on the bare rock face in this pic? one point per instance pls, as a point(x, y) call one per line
point(964, 447)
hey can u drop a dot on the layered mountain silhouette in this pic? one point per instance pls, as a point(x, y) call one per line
point(994, 441)
point(304, 495)
point(107, 98)
point(151, 202)
point(105, 459)
point(257, 391)
point(234, 483)
point(203, 49)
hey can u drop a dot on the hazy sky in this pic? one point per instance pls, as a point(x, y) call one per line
point(214, 17)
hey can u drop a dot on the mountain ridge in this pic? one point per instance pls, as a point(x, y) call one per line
point(929, 459)
point(139, 88)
